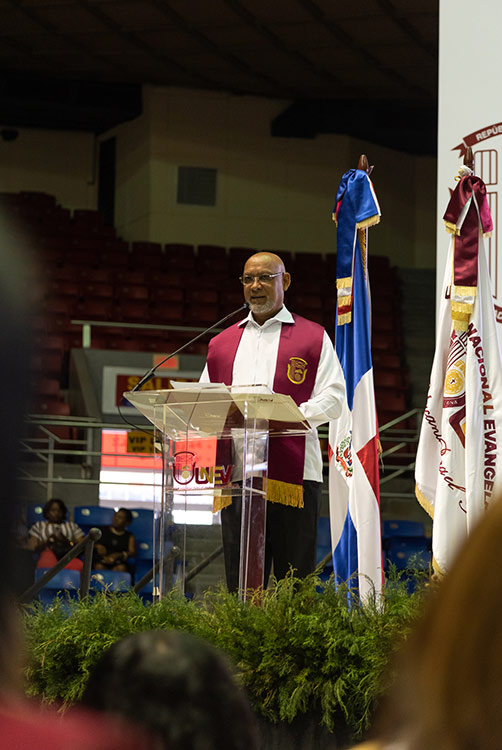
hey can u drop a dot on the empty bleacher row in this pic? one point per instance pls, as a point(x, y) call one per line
point(86, 272)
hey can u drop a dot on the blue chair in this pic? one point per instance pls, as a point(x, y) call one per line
point(33, 514)
point(142, 567)
point(144, 563)
point(406, 552)
point(402, 528)
point(142, 525)
point(87, 516)
point(65, 583)
point(110, 580)
point(323, 539)
point(324, 547)
point(144, 549)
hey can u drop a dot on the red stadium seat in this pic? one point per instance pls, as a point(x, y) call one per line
point(97, 276)
point(132, 311)
point(46, 388)
point(94, 308)
point(168, 313)
point(389, 399)
point(158, 295)
point(128, 276)
point(147, 256)
point(179, 258)
point(201, 296)
point(59, 288)
point(167, 278)
point(126, 292)
point(97, 289)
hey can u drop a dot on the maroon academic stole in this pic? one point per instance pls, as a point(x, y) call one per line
point(465, 245)
point(298, 357)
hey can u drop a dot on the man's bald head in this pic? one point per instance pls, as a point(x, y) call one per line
point(267, 257)
point(267, 280)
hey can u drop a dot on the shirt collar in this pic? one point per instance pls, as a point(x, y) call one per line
point(283, 316)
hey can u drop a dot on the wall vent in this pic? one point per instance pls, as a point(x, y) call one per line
point(197, 186)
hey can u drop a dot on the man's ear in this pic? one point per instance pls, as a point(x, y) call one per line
point(286, 280)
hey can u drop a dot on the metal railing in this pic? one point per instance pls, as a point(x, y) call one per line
point(88, 325)
point(85, 545)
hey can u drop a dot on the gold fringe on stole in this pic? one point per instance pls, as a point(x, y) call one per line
point(426, 505)
point(333, 216)
point(344, 283)
point(277, 492)
point(370, 222)
point(285, 493)
point(345, 318)
point(221, 501)
point(487, 235)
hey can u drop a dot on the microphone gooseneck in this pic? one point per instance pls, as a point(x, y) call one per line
point(149, 375)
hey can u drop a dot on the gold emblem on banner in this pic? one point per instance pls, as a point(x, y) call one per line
point(455, 379)
point(297, 370)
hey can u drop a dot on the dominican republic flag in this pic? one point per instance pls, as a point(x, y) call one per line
point(353, 468)
point(460, 447)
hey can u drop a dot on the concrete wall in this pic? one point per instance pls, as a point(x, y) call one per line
point(49, 161)
point(272, 193)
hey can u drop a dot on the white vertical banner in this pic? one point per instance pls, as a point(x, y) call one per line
point(470, 114)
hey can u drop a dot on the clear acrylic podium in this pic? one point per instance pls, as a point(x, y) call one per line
point(214, 442)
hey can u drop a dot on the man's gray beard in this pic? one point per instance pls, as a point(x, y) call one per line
point(265, 307)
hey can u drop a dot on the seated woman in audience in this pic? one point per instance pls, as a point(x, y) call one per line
point(54, 536)
point(176, 686)
point(117, 544)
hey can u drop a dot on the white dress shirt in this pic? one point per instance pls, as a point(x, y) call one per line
point(255, 364)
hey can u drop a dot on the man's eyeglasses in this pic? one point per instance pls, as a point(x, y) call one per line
point(263, 278)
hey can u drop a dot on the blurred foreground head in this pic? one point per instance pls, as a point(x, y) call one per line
point(17, 291)
point(15, 314)
point(447, 694)
point(177, 686)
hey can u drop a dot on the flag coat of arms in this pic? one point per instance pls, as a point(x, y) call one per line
point(460, 443)
point(353, 467)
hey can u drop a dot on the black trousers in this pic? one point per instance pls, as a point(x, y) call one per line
point(291, 537)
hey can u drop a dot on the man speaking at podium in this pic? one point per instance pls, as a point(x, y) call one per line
point(294, 356)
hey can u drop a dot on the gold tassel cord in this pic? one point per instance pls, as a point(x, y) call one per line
point(451, 228)
point(363, 237)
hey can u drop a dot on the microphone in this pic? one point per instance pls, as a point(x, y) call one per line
point(149, 375)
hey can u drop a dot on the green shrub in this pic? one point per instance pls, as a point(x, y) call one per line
point(300, 648)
